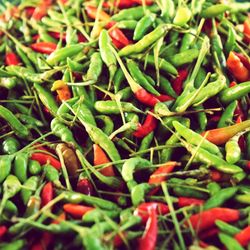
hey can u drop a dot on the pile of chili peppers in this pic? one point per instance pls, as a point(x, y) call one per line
point(124, 124)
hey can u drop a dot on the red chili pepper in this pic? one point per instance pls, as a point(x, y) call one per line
point(203, 244)
point(147, 127)
point(81, 38)
point(244, 60)
point(165, 98)
point(236, 67)
point(84, 186)
point(58, 35)
point(43, 159)
point(117, 241)
point(209, 233)
point(118, 35)
point(11, 59)
point(143, 210)
point(243, 237)
point(215, 175)
point(39, 12)
point(149, 238)
point(3, 231)
point(29, 11)
point(75, 210)
point(159, 175)
point(44, 47)
point(92, 13)
point(117, 44)
point(47, 193)
point(246, 31)
point(146, 98)
point(101, 158)
point(179, 80)
point(147, 2)
point(186, 201)
point(206, 219)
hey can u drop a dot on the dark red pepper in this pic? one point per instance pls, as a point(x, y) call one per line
point(84, 186)
point(186, 201)
point(179, 80)
point(165, 98)
point(209, 233)
point(3, 231)
point(47, 193)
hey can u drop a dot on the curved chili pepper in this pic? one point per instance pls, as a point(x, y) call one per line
point(44, 158)
point(147, 127)
point(44, 47)
point(47, 193)
point(149, 238)
point(239, 71)
point(243, 237)
point(206, 219)
point(75, 210)
point(177, 83)
point(11, 59)
point(143, 210)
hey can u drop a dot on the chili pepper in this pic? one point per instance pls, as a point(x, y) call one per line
point(227, 228)
point(220, 197)
point(222, 135)
point(166, 86)
point(61, 54)
point(46, 98)
point(231, 39)
point(143, 26)
point(62, 90)
point(20, 166)
point(92, 13)
point(229, 242)
point(51, 174)
point(11, 186)
point(186, 201)
point(31, 184)
point(11, 59)
point(44, 158)
point(214, 187)
point(244, 60)
point(84, 186)
point(159, 175)
point(117, 35)
point(214, 10)
point(44, 47)
point(206, 219)
point(178, 81)
point(5, 166)
point(147, 127)
point(3, 231)
point(239, 71)
point(77, 211)
point(196, 139)
point(74, 197)
point(46, 194)
point(34, 167)
point(14, 245)
point(97, 214)
point(146, 141)
point(246, 31)
point(227, 115)
point(145, 42)
point(234, 93)
point(127, 24)
point(243, 236)
point(20, 130)
point(149, 238)
point(101, 158)
point(182, 16)
point(107, 56)
point(25, 59)
point(10, 145)
point(189, 192)
point(111, 107)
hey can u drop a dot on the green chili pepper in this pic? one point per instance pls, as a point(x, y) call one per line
point(227, 228)
point(51, 174)
point(111, 107)
point(91, 242)
point(138, 193)
point(63, 53)
point(231, 39)
point(145, 42)
point(107, 55)
point(187, 40)
point(220, 197)
point(118, 79)
point(139, 77)
point(8, 82)
point(74, 66)
point(108, 124)
point(213, 188)
point(20, 166)
point(19, 129)
point(202, 118)
point(196, 139)
point(227, 116)
point(5, 166)
point(143, 26)
point(187, 56)
point(34, 167)
point(15, 245)
point(182, 16)
point(214, 10)
point(187, 191)
point(235, 93)
point(11, 187)
point(146, 142)
point(229, 242)
point(127, 24)
point(166, 86)
point(31, 184)
point(99, 215)
point(10, 145)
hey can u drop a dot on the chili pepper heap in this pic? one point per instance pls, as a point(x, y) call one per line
point(124, 124)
